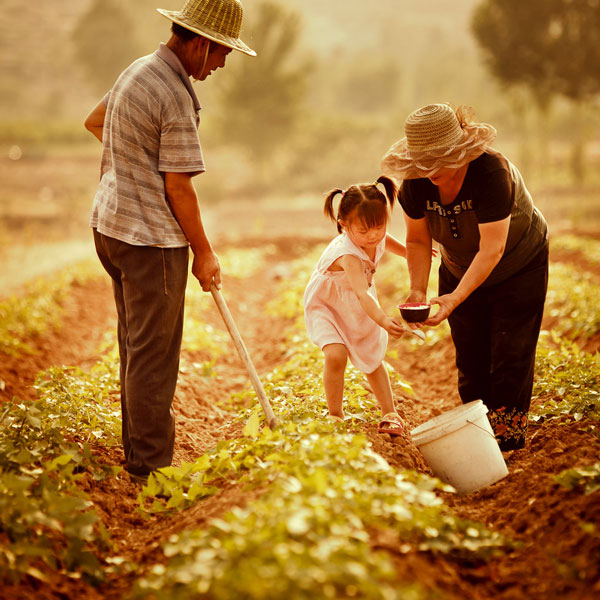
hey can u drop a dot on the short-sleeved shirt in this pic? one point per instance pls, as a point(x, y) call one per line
point(150, 128)
point(492, 190)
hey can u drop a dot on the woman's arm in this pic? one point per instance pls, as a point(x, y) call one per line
point(94, 122)
point(353, 268)
point(418, 256)
point(394, 246)
point(492, 241)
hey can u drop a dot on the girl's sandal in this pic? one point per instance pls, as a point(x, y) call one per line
point(391, 423)
point(335, 419)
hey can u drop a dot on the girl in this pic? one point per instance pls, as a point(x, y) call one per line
point(342, 314)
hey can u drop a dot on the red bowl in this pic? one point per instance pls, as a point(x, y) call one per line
point(414, 312)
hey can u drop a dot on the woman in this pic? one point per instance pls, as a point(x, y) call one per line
point(493, 275)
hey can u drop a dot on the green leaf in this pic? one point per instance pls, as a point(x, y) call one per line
point(252, 426)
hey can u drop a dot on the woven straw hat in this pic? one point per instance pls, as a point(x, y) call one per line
point(437, 137)
point(217, 20)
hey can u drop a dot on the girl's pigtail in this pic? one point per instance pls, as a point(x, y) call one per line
point(390, 189)
point(328, 208)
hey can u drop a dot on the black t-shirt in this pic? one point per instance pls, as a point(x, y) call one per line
point(492, 190)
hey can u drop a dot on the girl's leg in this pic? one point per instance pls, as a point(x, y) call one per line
point(380, 384)
point(336, 357)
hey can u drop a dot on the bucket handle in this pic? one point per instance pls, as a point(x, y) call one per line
point(482, 429)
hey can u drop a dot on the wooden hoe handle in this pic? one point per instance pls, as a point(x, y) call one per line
point(241, 349)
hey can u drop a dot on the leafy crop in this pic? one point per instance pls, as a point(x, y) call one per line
point(584, 478)
point(588, 247)
point(82, 404)
point(244, 262)
point(45, 521)
point(288, 301)
point(574, 300)
point(327, 492)
point(199, 336)
point(26, 316)
point(311, 529)
point(567, 378)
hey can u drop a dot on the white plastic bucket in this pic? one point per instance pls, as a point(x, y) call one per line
point(460, 447)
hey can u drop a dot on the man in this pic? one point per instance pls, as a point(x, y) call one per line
point(145, 215)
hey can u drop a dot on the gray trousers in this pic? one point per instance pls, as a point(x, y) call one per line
point(149, 289)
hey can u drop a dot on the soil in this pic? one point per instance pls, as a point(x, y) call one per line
point(556, 559)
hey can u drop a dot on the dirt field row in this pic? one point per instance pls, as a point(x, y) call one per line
point(556, 558)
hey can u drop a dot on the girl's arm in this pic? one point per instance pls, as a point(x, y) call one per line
point(418, 256)
point(394, 246)
point(491, 248)
point(353, 268)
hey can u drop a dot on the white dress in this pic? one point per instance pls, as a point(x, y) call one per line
point(332, 312)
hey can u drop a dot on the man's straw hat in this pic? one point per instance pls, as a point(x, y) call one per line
point(217, 20)
point(437, 137)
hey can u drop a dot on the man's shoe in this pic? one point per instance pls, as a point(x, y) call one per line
point(141, 479)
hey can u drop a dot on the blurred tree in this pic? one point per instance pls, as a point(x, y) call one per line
point(370, 84)
point(105, 42)
point(261, 99)
point(550, 46)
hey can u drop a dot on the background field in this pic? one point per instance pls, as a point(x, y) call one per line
point(317, 115)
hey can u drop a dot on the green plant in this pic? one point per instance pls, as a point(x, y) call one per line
point(45, 521)
point(584, 478)
point(40, 308)
point(589, 248)
point(82, 404)
point(573, 301)
point(327, 492)
point(324, 495)
point(567, 380)
point(242, 263)
point(288, 301)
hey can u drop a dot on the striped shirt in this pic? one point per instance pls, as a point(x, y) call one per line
point(150, 128)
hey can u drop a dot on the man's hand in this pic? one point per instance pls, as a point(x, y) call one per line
point(206, 268)
point(182, 198)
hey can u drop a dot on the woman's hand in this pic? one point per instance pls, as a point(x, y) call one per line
point(447, 304)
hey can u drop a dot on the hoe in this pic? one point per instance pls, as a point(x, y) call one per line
point(241, 349)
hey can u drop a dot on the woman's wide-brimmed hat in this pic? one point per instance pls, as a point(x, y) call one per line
point(437, 137)
point(217, 20)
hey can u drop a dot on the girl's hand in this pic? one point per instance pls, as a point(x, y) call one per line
point(447, 304)
point(393, 327)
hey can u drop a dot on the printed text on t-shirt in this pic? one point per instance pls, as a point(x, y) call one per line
point(433, 205)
